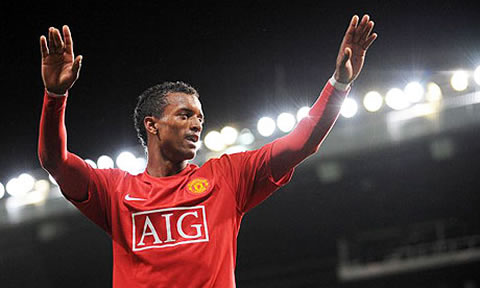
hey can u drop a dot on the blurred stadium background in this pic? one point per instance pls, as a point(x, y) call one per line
point(390, 200)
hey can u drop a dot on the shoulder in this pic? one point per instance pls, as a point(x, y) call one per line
point(228, 161)
point(111, 175)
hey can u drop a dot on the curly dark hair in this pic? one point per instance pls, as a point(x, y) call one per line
point(153, 101)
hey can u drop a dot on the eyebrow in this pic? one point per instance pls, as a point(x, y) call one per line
point(190, 111)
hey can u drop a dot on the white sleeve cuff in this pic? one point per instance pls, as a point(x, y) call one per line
point(55, 94)
point(340, 86)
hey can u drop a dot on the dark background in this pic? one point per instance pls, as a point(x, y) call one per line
point(230, 51)
point(246, 58)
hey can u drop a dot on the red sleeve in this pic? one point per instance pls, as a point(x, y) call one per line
point(255, 175)
point(250, 176)
point(85, 187)
point(305, 139)
point(100, 185)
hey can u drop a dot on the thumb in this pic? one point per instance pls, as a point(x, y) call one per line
point(77, 64)
point(347, 54)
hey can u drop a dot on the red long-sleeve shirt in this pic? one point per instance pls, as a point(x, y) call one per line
point(180, 230)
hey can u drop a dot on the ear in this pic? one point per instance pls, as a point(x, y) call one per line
point(150, 123)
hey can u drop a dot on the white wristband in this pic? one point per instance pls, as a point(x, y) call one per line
point(55, 94)
point(338, 85)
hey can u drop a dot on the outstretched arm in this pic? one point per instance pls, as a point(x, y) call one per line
point(60, 69)
point(306, 138)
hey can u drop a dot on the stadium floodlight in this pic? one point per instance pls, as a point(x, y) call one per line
point(229, 135)
point(126, 161)
point(266, 126)
point(105, 162)
point(434, 92)
point(396, 99)
point(372, 101)
point(27, 182)
point(414, 92)
point(459, 80)
point(302, 113)
point(246, 137)
point(19, 187)
point(476, 75)
point(2, 190)
point(349, 108)
point(214, 141)
point(285, 122)
point(91, 163)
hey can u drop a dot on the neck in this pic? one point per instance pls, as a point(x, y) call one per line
point(167, 169)
point(160, 166)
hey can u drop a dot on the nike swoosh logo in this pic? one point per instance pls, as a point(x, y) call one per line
point(128, 198)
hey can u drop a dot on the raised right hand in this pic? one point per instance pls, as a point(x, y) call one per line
point(59, 69)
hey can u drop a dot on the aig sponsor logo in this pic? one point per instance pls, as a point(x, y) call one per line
point(169, 227)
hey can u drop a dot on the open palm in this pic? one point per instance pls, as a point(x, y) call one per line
point(355, 44)
point(60, 68)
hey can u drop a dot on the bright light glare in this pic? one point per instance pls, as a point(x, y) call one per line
point(229, 135)
point(140, 165)
point(476, 75)
point(19, 187)
point(104, 162)
point(235, 149)
point(285, 122)
point(266, 126)
point(50, 177)
point(91, 163)
point(302, 113)
point(414, 92)
point(373, 101)
point(2, 190)
point(434, 93)
point(246, 137)
point(396, 99)
point(214, 141)
point(349, 108)
point(35, 197)
point(459, 80)
point(42, 186)
point(126, 161)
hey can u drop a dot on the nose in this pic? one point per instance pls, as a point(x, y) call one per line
point(196, 125)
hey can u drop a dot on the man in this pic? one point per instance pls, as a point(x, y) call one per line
point(176, 224)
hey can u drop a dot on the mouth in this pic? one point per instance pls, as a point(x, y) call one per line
point(192, 139)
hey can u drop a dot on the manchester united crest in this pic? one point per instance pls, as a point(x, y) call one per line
point(198, 185)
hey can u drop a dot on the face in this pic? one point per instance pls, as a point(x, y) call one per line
point(180, 126)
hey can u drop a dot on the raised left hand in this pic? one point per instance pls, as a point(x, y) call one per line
point(355, 43)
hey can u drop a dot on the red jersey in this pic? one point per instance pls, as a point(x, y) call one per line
point(180, 230)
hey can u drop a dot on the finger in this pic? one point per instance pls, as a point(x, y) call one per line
point(58, 41)
point(347, 54)
point(365, 22)
point(51, 43)
point(77, 64)
point(368, 31)
point(351, 29)
point(68, 39)
point(361, 28)
point(369, 41)
point(43, 46)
